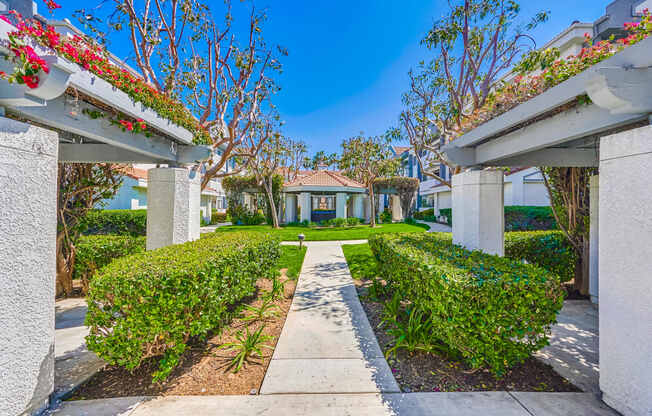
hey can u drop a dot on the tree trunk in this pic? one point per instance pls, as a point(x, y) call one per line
point(272, 203)
point(65, 261)
point(373, 206)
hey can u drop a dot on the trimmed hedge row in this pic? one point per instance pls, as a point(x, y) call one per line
point(115, 221)
point(517, 218)
point(96, 251)
point(151, 303)
point(547, 249)
point(492, 310)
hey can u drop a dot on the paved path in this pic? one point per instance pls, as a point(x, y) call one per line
point(327, 344)
point(573, 349)
point(436, 227)
point(73, 363)
point(368, 404)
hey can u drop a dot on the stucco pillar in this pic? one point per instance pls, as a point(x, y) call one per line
point(28, 222)
point(594, 242)
point(359, 206)
point(290, 208)
point(397, 211)
point(367, 208)
point(173, 196)
point(478, 212)
point(209, 209)
point(305, 204)
point(625, 263)
point(340, 205)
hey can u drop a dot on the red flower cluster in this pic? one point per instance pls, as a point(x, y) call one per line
point(126, 124)
point(524, 88)
point(94, 58)
point(51, 5)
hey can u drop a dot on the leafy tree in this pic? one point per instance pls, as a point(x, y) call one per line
point(474, 44)
point(81, 187)
point(179, 47)
point(266, 163)
point(321, 159)
point(366, 159)
point(294, 158)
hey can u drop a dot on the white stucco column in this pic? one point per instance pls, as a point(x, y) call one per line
point(625, 262)
point(305, 204)
point(173, 198)
point(478, 212)
point(209, 209)
point(340, 205)
point(359, 206)
point(290, 208)
point(367, 208)
point(397, 210)
point(28, 223)
point(594, 243)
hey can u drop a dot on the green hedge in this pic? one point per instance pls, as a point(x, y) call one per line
point(115, 221)
point(96, 251)
point(150, 304)
point(492, 310)
point(526, 218)
point(547, 249)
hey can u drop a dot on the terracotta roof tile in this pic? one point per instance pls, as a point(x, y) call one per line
point(401, 149)
point(325, 178)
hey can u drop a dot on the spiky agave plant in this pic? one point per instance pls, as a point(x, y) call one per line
point(247, 345)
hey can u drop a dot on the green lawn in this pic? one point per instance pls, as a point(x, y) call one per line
point(292, 259)
point(361, 232)
point(361, 261)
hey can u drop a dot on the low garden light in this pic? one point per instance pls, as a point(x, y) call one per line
point(301, 238)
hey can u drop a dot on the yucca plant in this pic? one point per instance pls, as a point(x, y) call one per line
point(247, 345)
point(278, 290)
point(266, 311)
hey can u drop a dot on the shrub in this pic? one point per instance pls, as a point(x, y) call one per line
point(151, 303)
point(448, 213)
point(218, 217)
point(241, 216)
point(115, 221)
point(426, 215)
point(491, 310)
point(339, 222)
point(526, 218)
point(385, 217)
point(352, 221)
point(96, 251)
point(547, 249)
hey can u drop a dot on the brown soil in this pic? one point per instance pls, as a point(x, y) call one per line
point(205, 367)
point(423, 372)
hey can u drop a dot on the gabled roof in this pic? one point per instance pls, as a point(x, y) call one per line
point(325, 178)
point(401, 149)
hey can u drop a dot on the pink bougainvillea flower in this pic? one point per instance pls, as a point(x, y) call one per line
point(30, 80)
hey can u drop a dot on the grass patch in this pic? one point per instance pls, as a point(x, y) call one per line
point(361, 261)
point(361, 232)
point(292, 260)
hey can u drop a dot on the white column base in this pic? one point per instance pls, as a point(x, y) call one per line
point(625, 261)
point(28, 224)
point(478, 211)
point(173, 200)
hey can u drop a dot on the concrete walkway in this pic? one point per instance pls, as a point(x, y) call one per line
point(436, 227)
point(368, 404)
point(327, 344)
point(573, 350)
point(73, 363)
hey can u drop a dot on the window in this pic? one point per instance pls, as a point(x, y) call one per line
point(324, 203)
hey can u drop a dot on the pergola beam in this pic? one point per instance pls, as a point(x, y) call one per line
point(91, 153)
point(57, 115)
point(556, 157)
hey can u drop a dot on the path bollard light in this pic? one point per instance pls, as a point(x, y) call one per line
point(301, 238)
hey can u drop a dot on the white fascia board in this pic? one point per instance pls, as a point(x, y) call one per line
point(64, 74)
point(636, 56)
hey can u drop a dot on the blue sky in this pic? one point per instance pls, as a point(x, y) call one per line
point(348, 60)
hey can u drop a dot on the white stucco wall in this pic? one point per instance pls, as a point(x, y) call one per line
point(625, 274)
point(123, 198)
point(28, 183)
point(535, 194)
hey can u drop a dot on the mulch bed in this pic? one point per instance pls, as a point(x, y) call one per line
point(205, 367)
point(423, 372)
